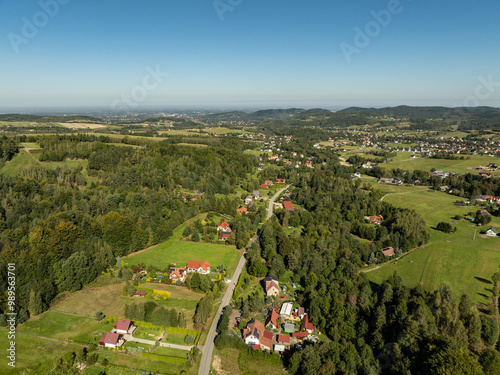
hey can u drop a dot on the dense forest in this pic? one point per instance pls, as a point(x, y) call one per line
point(62, 228)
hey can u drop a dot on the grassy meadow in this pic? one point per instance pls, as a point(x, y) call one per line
point(404, 161)
point(175, 250)
point(466, 259)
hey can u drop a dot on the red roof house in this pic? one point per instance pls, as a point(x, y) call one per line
point(224, 235)
point(300, 335)
point(284, 339)
point(307, 325)
point(111, 340)
point(272, 318)
point(224, 226)
point(122, 326)
point(263, 186)
point(375, 219)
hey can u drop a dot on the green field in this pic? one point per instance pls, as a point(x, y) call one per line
point(174, 250)
point(66, 327)
point(404, 161)
point(457, 259)
point(34, 355)
point(21, 161)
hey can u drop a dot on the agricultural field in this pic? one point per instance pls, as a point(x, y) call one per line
point(81, 125)
point(37, 355)
point(404, 161)
point(64, 326)
point(466, 259)
point(175, 250)
point(109, 300)
point(24, 159)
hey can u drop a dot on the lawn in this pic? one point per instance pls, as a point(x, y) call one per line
point(404, 161)
point(171, 352)
point(175, 338)
point(174, 250)
point(34, 355)
point(67, 327)
point(464, 259)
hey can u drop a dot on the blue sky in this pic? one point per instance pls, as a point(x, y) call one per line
point(269, 53)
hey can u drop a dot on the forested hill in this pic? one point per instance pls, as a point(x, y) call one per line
point(426, 112)
point(258, 116)
point(62, 227)
point(48, 118)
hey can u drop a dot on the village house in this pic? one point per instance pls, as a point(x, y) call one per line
point(388, 251)
point(268, 182)
point(255, 335)
point(263, 186)
point(123, 326)
point(248, 200)
point(307, 325)
point(279, 348)
point(283, 339)
point(198, 267)
point(300, 335)
point(112, 340)
point(256, 194)
point(224, 235)
point(272, 286)
point(492, 232)
point(482, 212)
point(272, 319)
point(224, 226)
point(375, 219)
point(280, 180)
point(289, 327)
point(140, 293)
point(242, 210)
point(177, 274)
point(289, 206)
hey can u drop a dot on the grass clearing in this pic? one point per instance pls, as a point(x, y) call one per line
point(66, 327)
point(457, 259)
point(21, 161)
point(34, 355)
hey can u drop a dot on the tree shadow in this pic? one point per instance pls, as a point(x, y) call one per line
point(484, 295)
point(486, 281)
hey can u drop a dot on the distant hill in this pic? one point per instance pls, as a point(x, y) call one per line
point(425, 112)
point(36, 118)
point(258, 116)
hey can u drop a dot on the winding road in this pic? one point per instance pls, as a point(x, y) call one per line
point(206, 358)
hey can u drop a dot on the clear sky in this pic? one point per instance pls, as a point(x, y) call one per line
point(270, 53)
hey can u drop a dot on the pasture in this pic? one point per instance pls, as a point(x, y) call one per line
point(467, 165)
point(466, 259)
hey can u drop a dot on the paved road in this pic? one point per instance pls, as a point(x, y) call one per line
point(206, 358)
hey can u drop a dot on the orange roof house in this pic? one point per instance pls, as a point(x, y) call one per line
point(242, 210)
point(198, 267)
point(289, 206)
point(388, 251)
